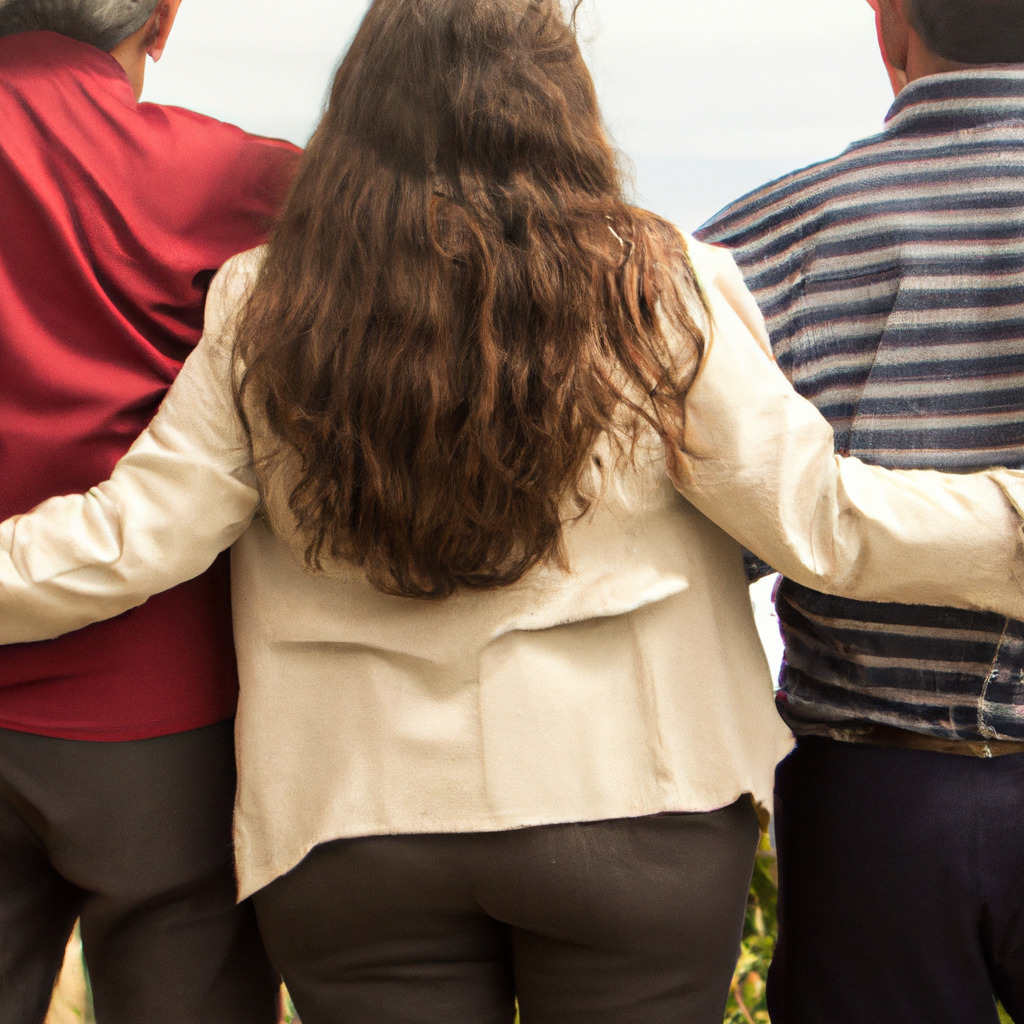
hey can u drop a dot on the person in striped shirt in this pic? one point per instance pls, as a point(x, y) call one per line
point(892, 281)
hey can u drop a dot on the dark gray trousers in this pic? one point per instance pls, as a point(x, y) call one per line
point(134, 838)
point(632, 921)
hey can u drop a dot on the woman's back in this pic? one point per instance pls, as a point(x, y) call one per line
point(632, 684)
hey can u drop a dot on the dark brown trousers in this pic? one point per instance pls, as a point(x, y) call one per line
point(633, 921)
point(134, 838)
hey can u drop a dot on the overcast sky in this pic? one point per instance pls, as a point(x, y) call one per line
point(707, 98)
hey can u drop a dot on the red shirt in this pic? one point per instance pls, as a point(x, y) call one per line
point(114, 216)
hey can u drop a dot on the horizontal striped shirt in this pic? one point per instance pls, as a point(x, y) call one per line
point(892, 282)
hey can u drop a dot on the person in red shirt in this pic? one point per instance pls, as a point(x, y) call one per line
point(116, 754)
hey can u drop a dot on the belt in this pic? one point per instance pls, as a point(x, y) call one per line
point(890, 736)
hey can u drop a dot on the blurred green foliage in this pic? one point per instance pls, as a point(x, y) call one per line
point(747, 993)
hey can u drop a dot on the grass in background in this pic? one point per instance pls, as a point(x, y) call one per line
point(71, 999)
point(747, 993)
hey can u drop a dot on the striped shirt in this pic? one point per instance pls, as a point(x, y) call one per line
point(892, 282)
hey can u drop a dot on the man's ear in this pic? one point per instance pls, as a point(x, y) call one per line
point(894, 34)
point(897, 78)
point(159, 27)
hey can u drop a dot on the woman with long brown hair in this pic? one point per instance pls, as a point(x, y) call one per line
point(492, 440)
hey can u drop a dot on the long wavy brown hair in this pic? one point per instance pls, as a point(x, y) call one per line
point(457, 301)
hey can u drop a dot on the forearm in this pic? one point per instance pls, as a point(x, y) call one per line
point(846, 528)
point(80, 558)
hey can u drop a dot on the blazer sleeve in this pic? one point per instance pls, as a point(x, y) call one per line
point(184, 492)
point(759, 462)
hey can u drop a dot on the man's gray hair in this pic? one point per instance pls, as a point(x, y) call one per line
point(103, 23)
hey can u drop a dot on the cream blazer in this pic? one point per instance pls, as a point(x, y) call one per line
point(631, 685)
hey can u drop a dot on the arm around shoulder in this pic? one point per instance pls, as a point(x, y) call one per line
point(759, 461)
point(183, 493)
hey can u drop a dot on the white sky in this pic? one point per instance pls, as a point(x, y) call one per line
point(707, 98)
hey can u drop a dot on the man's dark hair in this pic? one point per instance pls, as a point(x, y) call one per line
point(102, 23)
point(970, 31)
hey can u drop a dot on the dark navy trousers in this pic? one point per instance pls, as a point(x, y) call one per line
point(901, 886)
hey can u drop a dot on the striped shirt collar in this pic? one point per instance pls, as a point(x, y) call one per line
point(958, 99)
